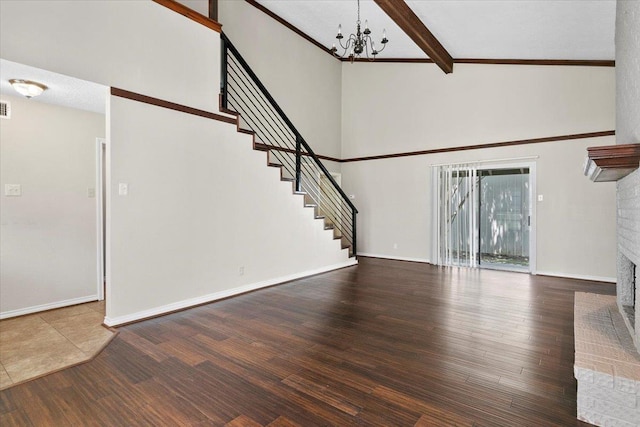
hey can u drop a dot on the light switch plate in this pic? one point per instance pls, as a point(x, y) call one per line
point(123, 189)
point(12, 190)
point(540, 197)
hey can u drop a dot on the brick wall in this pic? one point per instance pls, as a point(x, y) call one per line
point(629, 216)
point(628, 201)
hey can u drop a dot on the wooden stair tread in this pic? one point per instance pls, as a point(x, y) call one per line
point(261, 146)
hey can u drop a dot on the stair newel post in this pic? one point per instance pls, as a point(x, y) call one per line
point(353, 232)
point(298, 162)
point(223, 70)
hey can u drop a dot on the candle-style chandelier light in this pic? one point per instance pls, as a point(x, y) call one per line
point(359, 44)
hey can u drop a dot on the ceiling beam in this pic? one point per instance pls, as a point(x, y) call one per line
point(409, 22)
point(213, 10)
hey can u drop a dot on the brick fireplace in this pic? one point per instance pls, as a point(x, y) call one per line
point(607, 328)
point(620, 163)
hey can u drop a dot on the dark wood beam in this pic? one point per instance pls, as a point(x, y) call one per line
point(191, 14)
point(213, 9)
point(411, 24)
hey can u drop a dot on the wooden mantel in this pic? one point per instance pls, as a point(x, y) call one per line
point(611, 162)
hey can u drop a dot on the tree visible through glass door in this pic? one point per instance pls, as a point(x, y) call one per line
point(504, 219)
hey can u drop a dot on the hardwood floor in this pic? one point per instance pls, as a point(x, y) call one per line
point(386, 343)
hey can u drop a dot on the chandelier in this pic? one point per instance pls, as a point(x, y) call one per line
point(359, 43)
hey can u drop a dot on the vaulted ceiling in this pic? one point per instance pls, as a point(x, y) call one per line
point(470, 29)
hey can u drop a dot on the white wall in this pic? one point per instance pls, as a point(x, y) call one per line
point(417, 107)
point(200, 6)
point(202, 204)
point(139, 46)
point(49, 251)
point(304, 80)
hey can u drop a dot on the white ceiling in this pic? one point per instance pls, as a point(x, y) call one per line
point(479, 29)
point(62, 90)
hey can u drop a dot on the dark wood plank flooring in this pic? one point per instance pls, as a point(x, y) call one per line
point(386, 343)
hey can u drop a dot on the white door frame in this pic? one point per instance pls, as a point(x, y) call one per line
point(100, 143)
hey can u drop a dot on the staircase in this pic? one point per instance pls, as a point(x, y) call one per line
point(242, 94)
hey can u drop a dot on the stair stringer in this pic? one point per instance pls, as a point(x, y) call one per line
point(307, 202)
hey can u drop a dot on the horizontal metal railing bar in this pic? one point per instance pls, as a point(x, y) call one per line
point(255, 124)
point(264, 104)
point(277, 129)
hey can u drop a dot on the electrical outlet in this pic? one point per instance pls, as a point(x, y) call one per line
point(241, 271)
point(12, 190)
point(91, 192)
point(123, 189)
point(395, 246)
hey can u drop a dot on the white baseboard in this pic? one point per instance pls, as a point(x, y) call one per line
point(48, 306)
point(191, 302)
point(539, 273)
point(577, 276)
point(397, 258)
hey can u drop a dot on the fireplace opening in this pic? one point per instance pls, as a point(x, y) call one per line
point(631, 310)
point(629, 303)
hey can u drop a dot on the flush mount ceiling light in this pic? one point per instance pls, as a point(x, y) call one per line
point(359, 43)
point(27, 87)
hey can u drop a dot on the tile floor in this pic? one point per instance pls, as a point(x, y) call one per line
point(41, 343)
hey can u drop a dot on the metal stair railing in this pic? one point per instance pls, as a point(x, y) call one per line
point(242, 92)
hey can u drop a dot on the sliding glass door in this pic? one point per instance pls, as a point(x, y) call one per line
point(482, 216)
